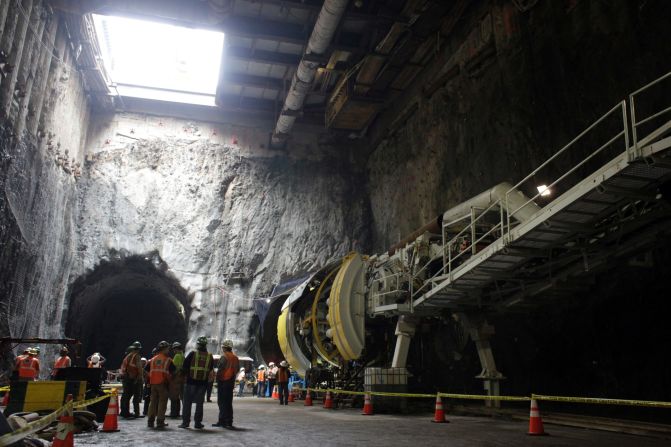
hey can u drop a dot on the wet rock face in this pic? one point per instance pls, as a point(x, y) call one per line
point(37, 215)
point(212, 214)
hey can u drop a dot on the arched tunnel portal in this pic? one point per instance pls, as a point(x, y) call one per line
point(123, 300)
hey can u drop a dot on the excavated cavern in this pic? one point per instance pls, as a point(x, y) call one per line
point(469, 195)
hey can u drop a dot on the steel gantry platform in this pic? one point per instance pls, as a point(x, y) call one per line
point(615, 211)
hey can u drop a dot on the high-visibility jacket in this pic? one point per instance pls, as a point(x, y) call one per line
point(29, 368)
point(201, 363)
point(229, 364)
point(283, 375)
point(131, 366)
point(159, 369)
point(178, 359)
point(19, 359)
point(62, 362)
point(261, 375)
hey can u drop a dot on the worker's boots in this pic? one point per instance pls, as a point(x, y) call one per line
point(161, 424)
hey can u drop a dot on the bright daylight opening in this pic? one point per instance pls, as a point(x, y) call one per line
point(543, 190)
point(160, 61)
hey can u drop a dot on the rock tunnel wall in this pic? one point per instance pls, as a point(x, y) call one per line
point(209, 205)
point(42, 129)
point(513, 88)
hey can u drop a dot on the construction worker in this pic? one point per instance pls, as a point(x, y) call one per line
point(261, 380)
point(19, 359)
point(132, 381)
point(63, 361)
point(271, 377)
point(242, 379)
point(160, 367)
point(177, 380)
point(96, 360)
point(196, 368)
point(226, 371)
point(29, 366)
point(283, 382)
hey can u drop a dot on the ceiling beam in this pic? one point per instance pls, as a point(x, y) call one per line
point(253, 81)
point(264, 57)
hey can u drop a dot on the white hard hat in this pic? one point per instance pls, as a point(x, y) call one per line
point(262, 367)
point(284, 363)
point(271, 364)
point(242, 369)
point(95, 358)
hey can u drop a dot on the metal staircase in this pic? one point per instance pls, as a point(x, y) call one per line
point(610, 213)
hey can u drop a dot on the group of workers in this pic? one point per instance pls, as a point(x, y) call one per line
point(267, 378)
point(170, 376)
point(27, 365)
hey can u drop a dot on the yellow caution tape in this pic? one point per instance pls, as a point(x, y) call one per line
point(45, 421)
point(33, 427)
point(603, 401)
point(86, 403)
point(3, 389)
point(371, 393)
point(483, 397)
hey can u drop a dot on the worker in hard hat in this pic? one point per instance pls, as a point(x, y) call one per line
point(29, 366)
point(177, 380)
point(271, 378)
point(96, 360)
point(261, 381)
point(63, 361)
point(283, 382)
point(242, 380)
point(196, 368)
point(132, 381)
point(228, 366)
point(19, 359)
point(160, 367)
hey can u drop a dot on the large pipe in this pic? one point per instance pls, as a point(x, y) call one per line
point(322, 34)
point(515, 202)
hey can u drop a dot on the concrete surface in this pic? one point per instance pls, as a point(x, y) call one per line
point(265, 422)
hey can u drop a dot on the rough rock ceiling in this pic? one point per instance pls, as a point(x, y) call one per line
point(379, 48)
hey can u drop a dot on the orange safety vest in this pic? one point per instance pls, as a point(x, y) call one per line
point(283, 375)
point(260, 376)
point(159, 369)
point(29, 368)
point(129, 365)
point(62, 362)
point(231, 368)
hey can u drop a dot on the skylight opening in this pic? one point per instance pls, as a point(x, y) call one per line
point(160, 61)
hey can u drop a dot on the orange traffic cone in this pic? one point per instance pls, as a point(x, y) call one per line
point(439, 415)
point(308, 399)
point(5, 399)
point(66, 424)
point(328, 401)
point(276, 393)
point(291, 397)
point(535, 420)
point(367, 406)
point(111, 423)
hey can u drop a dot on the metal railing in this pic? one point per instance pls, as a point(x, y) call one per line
point(453, 259)
point(638, 122)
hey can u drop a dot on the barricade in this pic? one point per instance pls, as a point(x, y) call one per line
point(536, 397)
point(44, 422)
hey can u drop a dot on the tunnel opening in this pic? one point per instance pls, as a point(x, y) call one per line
point(124, 299)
